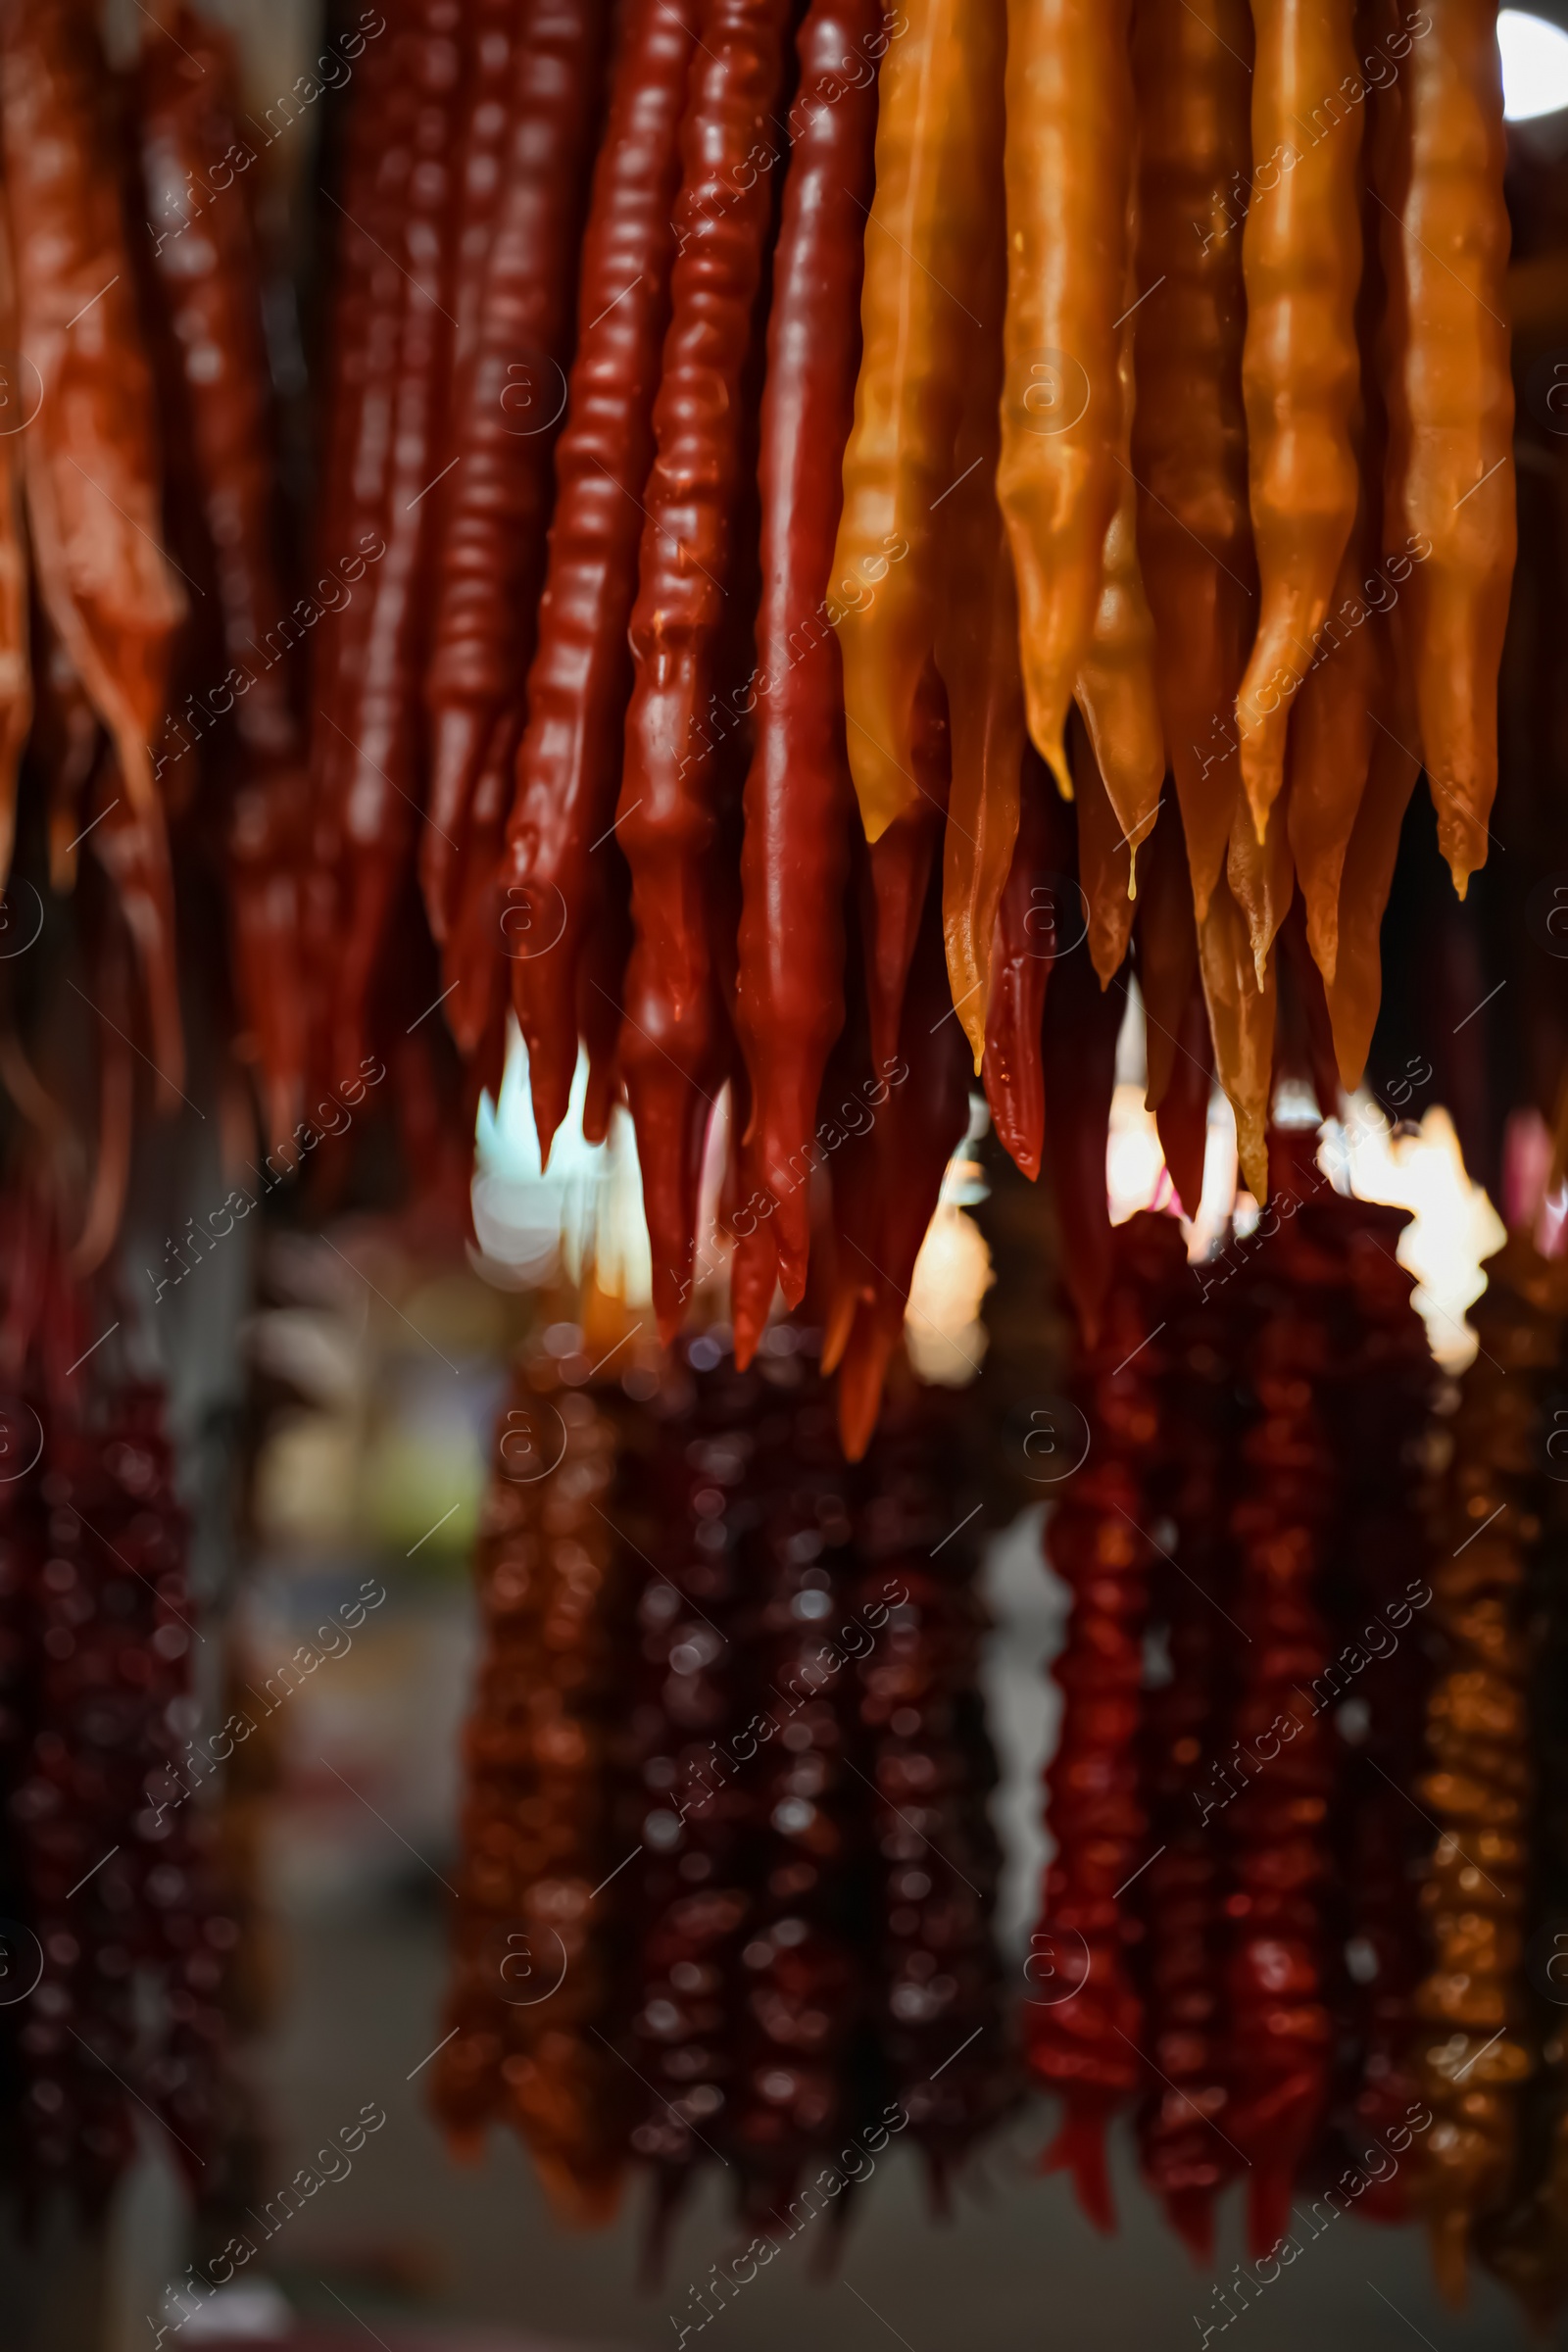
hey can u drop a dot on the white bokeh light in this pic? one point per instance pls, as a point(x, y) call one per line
point(1535, 65)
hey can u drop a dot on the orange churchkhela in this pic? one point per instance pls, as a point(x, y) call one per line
point(957, 397)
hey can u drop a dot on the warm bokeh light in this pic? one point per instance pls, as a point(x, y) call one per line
point(1453, 1225)
point(1535, 65)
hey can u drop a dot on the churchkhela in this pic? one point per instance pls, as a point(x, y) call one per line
point(587, 281)
point(781, 472)
point(726, 1764)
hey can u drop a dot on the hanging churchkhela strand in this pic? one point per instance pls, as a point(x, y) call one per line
point(1275, 1830)
point(107, 1855)
point(801, 2073)
point(799, 800)
point(568, 763)
point(1476, 2047)
point(944, 2044)
point(493, 508)
point(1083, 2029)
point(208, 276)
point(675, 1040)
point(1525, 2244)
point(1379, 1407)
point(531, 1986)
point(1186, 2155)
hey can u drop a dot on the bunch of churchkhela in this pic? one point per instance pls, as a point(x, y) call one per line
point(729, 1875)
point(869, 493)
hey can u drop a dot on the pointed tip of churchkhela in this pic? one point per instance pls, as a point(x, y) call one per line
point(938, 2186)
point(670, 2189)
point(550, 1101)
point(1051, 744)
point(1323, 938)
point(1262, 760)
point(1079, 2149)
point(456, 747)
point(1268, 2207)
point(1183, 1130)
point(1191, 2214)
point(599, 1101)
point(789, 1225)
point(827, 2253)
point(671, 1115)
point(863, 1376)
point(542, 1002)
point(794, 1272)
point(1462, 837)
point(580, 2198)
point(838, 1327)
point(669, 1313)
point(1251, 1150)
point(753, 1280)
point(897, 874)
point(1180, 1117)
point(1019, 1138)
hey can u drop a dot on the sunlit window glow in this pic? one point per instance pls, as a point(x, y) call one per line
point(1535, 65)
point(942, 1326)
point(1453, 1225)
point(943, 1331)
point(584, 1211)
point(1135, 1164)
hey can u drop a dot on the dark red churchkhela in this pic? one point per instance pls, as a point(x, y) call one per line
point(799, 802)
point(494, 504)
point(557, 870)
point(367, 309)
point(691, 1892)
point(1276, 1828)
point(1186, 2157)
point(1083, 2026)
point(939, 2009)
point(676, 1042)
point(799, 2091)
point(105, 1849)
point(1037, 921)
point(381, 776)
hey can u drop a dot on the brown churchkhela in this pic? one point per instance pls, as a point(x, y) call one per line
point(187, 105)
point(719, 1655)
